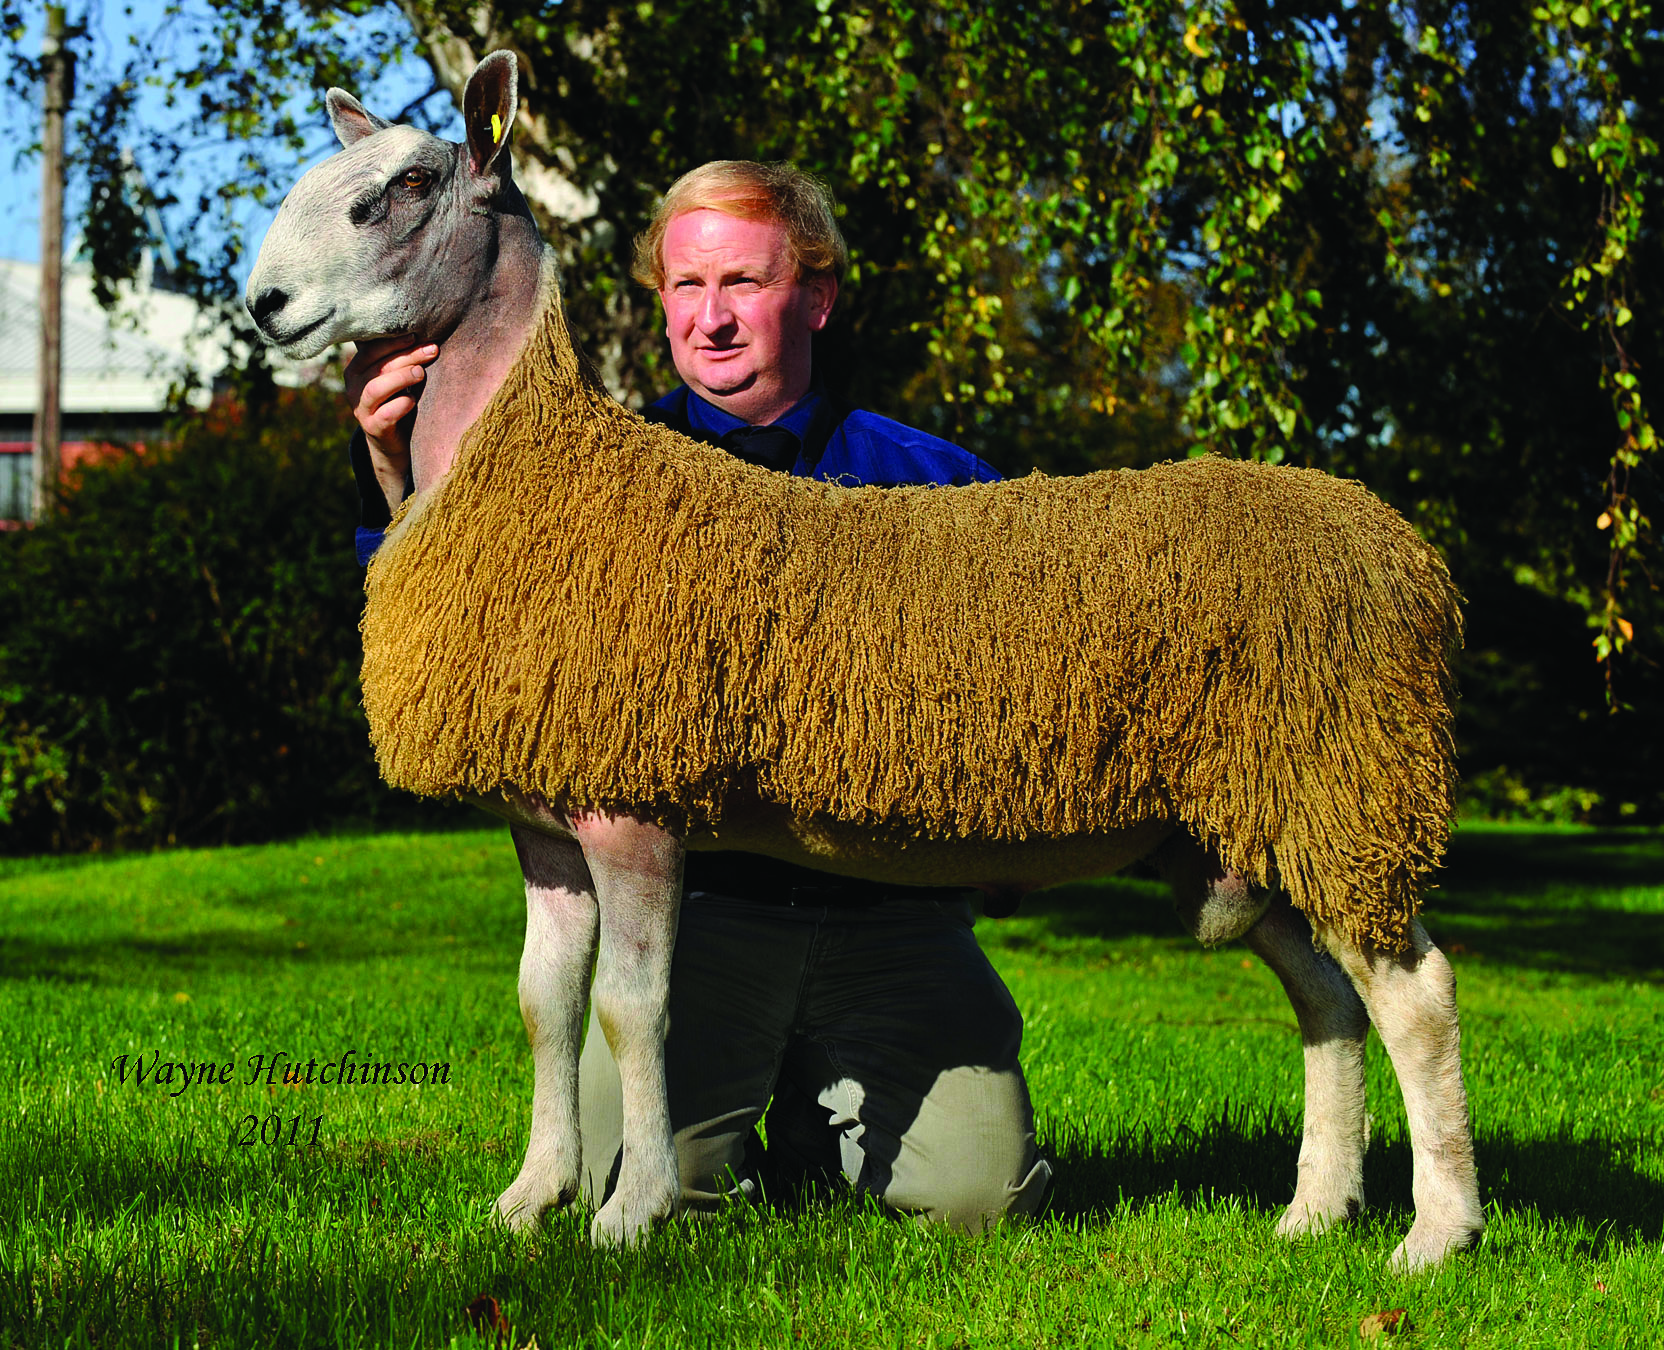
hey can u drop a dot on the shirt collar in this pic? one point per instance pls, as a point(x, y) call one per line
point(707, 417)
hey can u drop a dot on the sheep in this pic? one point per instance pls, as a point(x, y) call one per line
point(630, 645)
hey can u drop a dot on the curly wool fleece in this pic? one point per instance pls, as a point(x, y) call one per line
point(613, 616)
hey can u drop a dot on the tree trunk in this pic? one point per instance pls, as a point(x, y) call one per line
point(48, 412)
point(616, 328)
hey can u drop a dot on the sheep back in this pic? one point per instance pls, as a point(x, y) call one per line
point(615, 617)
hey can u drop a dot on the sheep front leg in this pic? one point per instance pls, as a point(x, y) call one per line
point(1333, 1026)
point(561, 925)
point(637, 868)
point(1412, 1001)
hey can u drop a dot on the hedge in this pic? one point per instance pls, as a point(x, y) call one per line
point(179, 643)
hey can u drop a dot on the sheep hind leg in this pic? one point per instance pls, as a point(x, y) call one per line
point(1218, 906)
point(561, 926)
point(1412, 1001)
point(1329, 1186)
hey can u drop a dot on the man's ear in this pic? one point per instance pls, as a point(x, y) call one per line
point(488, 106)
point(350, 118)
point(823, 291)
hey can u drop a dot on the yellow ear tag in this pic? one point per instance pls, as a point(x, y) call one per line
point(496, 128)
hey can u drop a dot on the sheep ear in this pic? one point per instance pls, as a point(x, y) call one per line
point(350, 118)
point(488, 106)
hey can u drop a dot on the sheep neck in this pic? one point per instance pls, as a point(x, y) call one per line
point(476, 356)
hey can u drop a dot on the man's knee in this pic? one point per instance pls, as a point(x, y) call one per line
point(977, 1200)
point(967, 1157)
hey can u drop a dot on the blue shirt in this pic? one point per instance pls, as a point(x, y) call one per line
point(854, 448)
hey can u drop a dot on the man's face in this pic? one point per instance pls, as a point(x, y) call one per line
point(738, 318)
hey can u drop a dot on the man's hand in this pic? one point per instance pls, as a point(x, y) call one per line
point(384, 380)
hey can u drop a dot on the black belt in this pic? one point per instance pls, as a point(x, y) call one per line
point(804, 897)
point(745, 876)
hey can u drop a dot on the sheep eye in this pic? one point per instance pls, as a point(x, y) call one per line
point(415, 179)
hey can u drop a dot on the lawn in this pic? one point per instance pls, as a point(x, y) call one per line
point(1167, 1078)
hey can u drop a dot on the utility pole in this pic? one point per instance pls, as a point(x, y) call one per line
point(55, 70)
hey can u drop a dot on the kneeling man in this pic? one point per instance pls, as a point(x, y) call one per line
point(859, 1023)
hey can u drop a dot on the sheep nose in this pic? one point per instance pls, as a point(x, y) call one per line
point(267, 303)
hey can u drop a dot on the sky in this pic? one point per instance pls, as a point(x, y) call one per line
point(113, 23)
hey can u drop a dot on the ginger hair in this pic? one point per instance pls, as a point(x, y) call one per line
point(751, 191)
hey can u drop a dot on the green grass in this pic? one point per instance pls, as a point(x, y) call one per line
point(1167, 1078)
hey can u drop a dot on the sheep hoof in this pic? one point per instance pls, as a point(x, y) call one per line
point(1426, 1247)
point(619, 1223)
point(1308, 1219)
point(523, 1205)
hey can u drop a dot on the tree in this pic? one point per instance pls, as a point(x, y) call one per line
point(1405, 241)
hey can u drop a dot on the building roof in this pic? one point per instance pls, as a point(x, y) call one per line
point(121, 363)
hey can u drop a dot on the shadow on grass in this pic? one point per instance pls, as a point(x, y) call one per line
point(1569, 1178)
point(232, 952)
point(1534, 898)
point(379, 1271)
point(406, 815)
point(1243, 1154)
point(100, 1176)
point(1524, 897)
point(1252, 1158)
point(1612, 944)
point(1524, 863)
point(1130, 904)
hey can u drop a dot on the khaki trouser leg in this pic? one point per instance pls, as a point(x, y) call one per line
point(884, 1039)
